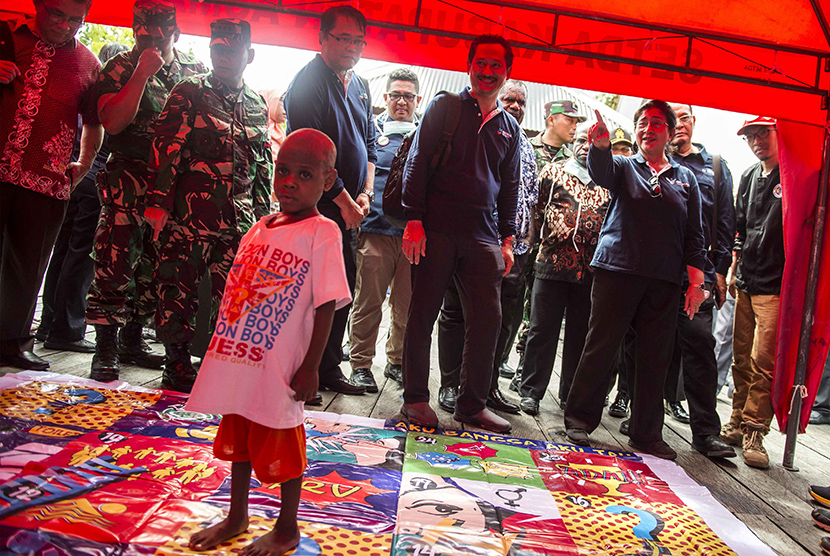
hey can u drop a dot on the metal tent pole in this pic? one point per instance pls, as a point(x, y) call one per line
point(809, 305)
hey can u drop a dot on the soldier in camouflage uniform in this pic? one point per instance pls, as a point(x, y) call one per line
point(133, 88)
point(212, 154)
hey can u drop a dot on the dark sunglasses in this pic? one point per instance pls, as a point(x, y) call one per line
point(654, 185)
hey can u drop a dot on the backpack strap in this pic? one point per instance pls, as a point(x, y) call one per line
point(717, 167)
point(452, 117)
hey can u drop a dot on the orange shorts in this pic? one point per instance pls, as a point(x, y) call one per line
point(276, 455)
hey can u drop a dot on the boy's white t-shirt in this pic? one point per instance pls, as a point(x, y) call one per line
point(263, 331)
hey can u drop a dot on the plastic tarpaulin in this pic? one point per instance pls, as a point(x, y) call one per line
point(753, 56)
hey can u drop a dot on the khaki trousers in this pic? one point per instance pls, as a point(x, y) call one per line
point(380, 264)
point(753, 359)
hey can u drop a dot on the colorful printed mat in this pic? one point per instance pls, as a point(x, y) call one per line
point(105, 470)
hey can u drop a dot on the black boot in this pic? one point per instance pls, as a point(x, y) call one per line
point(179, 373)
point(133, 349)
point(105, 361)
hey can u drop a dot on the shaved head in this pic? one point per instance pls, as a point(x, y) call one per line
point(314, 143)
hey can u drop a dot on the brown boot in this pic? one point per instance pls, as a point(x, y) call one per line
point(755, 455)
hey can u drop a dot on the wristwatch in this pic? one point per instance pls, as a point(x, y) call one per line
point(369, 193)
point(701, 286)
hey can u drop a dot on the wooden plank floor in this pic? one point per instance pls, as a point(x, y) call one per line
point(773, 503)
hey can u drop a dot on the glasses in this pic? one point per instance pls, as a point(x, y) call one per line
point(57, 16)
point(751, 137)
point(684, 119)
point(654, 185)
point(356, 42)
point(395, 97)
point(656, 125)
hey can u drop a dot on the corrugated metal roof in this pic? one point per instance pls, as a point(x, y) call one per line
point(432, 81)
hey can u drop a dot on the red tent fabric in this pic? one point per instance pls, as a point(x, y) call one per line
point(756, 56)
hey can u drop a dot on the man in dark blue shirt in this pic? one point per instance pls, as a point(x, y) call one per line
point(454, 209)
point(327, 95)
point(381, 264)
point(695, 340)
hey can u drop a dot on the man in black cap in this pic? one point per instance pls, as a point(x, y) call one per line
point(212, 152)
point(621, 142)
point(133, 88)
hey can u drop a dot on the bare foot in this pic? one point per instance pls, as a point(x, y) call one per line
point(275, 543)
point(217, 534)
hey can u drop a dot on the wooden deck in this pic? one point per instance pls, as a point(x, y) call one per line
point(773, 503)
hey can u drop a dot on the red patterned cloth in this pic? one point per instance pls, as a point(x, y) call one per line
point(39, 110)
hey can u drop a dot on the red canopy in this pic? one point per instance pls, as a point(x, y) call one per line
point(755, 56)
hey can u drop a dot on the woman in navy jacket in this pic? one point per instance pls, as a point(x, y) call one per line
point(652, 233)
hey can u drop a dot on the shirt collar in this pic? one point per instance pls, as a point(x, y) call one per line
point(213, 82)
point(639, 158)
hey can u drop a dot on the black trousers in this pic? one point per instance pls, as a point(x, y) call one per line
point(71, 267)
point(700, 369)
point(553, 300)
point(477, 268)
point(29, 223)
point(451, 325)
point(333, 352)
point(650, 306)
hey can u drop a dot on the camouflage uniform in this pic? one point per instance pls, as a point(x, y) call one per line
point(212, 154)
point(125, 255)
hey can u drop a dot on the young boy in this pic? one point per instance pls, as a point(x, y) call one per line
point(286, 281)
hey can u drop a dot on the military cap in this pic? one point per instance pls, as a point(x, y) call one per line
point(155, 18)
point(233, 33)
point(621, 136)
point(567, 107)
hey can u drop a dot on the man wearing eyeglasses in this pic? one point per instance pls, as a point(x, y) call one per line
point(755, 282)
point(132, 88)
point(50, 81)
point(453, 209)
point(695, 341)
point(381, 264)
point(328, 96)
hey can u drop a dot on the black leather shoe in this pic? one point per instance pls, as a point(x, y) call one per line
point(578, 436)
point(819, 418)
point(657, 449)
point(343, 386)
point(497, 401)
point(395, 372)
point(624, 427)
point(506, 371)
point(713, 447)
point(105, 363)
point(530, 406)
point(80, 346)
point(365, 378)
point(41, 334)
point(619, 408)
point(317, 400)
point(487, 420)
point(821, 517)
point(446, 398)
point(24, 360)
point(825, 545)
point(676, 411)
